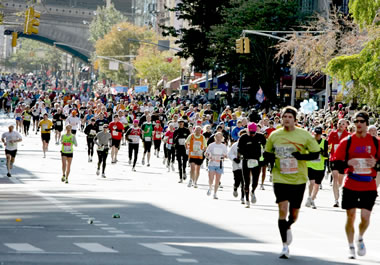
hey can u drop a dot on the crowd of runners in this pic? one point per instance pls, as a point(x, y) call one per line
point(296, 150)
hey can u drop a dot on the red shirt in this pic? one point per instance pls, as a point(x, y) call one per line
point(334, 140)
point(270, 130)
point(157, 132)
point(360, 148)
point(116, 129)
point(169, 134)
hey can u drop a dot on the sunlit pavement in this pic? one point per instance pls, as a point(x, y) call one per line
point(45, 221)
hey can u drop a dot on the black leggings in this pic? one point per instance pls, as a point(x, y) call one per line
point(135, 148)
point(182, 161)
point(247, 178)
point(157, 145)
point(26, 126)
point(90, 146)
point(147, 146)
point(171, 154)
point(239, 180)
point(102, 155)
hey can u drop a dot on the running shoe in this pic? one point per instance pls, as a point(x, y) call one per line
point(184, 176)
point(253, 198)
point(248, 204)
point(143, 161)
point(103, 175)
point(130, 161)
point(190, 183)
point(208, 192)
point(89, 159)
point(164, 161)
point(289, 236)
point(361, 247)
point(63, 178)
point(235, 193)
point(336, 204)
point(134, 169)
point(351, 253)
point(173, 169)
point(148, 165)
point(67, 181)
point(44, 156)
point(313, 205)
point(9, 175)
point(97, 172)
point(242, 200)
point(284, 253)
point(262, 187)
point(195, 186)
point(215, 197)
point(308, 202)
point(180, 181)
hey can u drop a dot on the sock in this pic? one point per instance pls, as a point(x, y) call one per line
point(360, 238)
point(290, 220)
point(351, 245)
point(283, 227)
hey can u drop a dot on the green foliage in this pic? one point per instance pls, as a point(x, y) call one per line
point(153, 65)
point(104, 20)
point(32, 55)
point(364, 11)
point(116, 43)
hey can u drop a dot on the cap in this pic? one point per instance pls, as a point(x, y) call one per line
point(135, 121)
point(318, 130)
point(340, 105)
point(199, 121)
point(181, 120)
point(157, 121)
point(252, 127)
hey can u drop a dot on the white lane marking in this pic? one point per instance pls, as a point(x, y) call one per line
point(101, 224)
point(155, 237)
point(95, 247)
point(164, 249)
point(83, 216)
point(240, 249)
point(23, 247)
point(108, 228)
point(187, 260)
point(116, 232)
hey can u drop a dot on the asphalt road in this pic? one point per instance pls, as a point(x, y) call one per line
point(161, 221)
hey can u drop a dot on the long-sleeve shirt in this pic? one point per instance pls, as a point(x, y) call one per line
point(103, 139)
point(232, 154)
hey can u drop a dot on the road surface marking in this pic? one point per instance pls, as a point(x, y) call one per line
point(164, 249)
point(116, 232)
point(187, 260)
point(108, 228)
point(156, 237)
point(23, 247)
point(95, 247)
point(240, 249)
point(101, 224)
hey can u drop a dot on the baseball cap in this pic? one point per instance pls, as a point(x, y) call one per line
point(252, 127)
point(318, 130)
point(135, 121)
point(157, 121)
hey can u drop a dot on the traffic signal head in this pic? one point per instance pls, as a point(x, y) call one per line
point(31, 21)
point(247, 45)
point(14, 39)
point(239, 45)
point(27, 15)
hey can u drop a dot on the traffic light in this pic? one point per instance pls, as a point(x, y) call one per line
point(247, 45)
point(14, 39)
point(31, 21)
point(239, 45)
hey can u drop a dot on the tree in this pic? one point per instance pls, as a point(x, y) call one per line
point(193, 40)
point(362, 67)
point(120, 41)
point(105, 19)
point(258, 67)
point(153, 65)
point(32, 55)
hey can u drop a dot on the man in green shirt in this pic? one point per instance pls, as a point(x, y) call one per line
point(289, 147)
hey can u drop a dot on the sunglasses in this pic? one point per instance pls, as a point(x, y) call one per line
point(361, 121)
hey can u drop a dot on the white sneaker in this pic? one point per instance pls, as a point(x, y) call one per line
point(248, 204)
point(209, 192)
point(253, 198)
point(168, 169)
point(89, 159)
point(242, 200)
point(351, 253)
point(313, 205)
point(308, 202)
point(164, 161)
point(97, 172)
point(180, 181)
point(284, 253)
point(103, 175)
point(130, 161)
point(262, 187)
point(289, 236)
point(134, 169)
point(195, 185)
point(215, 197)
point(190, 183)
point(235, 193)
point(361, 248)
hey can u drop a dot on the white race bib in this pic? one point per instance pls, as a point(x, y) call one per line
point(134, 138)
point(44, 127)
point(67, 147)
point(289, 166)
point(92, 132)
point(59, 123)
point(251, 163)
point(181, 141)
point(115, 133)
point(158, 135)
point(361, 166)
point(148, 139)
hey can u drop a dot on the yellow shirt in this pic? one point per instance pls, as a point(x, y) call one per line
point(45, 125)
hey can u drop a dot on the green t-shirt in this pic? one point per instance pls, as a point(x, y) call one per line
point(287, 169)
point(147, 130)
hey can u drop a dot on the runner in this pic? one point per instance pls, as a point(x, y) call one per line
point(157, 135)
point(196, 145)
point(46, 126)
point(147, 129)
point(179, 137)
point(334, 139)
point(287, 147)
point(116, 130)
point(133, 136)
point(103, 140)
point(358, 155)
point(170, 150)
point(216, 152)
point(26, 117)
point(67, 140)
point(236, 167)
point(58, 119)
point(316, 168)
point(90, 131)
point(10, 140)
point(36, 116)
point(74, 121)
point(18, 115)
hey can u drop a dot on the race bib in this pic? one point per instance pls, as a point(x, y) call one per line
point(361, 166)
point(181, 141)
point(288, 166)
point(92, 132)
point(59, 123)
point(169, 146)
point(44, 127)
point(158, 135)
point(134, 138)
point(197, 146)
point(100, 148)
point(251, 163)
point(148, 139)
point(67, 147)
point(101, 128)
point(115, 133)
point(170, 141)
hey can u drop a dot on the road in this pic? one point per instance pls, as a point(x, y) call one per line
point(161, 221)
